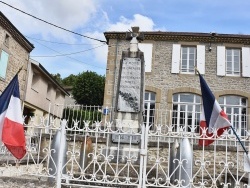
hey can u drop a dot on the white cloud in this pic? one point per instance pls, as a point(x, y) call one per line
point(68, 14)
point(145, 23)
point(124, 24)
point(82, 16)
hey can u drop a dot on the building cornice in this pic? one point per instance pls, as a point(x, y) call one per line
point(185, 36)
point(15, 33)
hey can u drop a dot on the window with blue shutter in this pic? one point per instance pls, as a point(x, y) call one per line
point(3, 64)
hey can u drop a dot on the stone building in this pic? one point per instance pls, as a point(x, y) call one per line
point(34, 80)
point(171, 82)
point(172, 97)
point(14, 54)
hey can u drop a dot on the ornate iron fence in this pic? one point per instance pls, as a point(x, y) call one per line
point(82, 147)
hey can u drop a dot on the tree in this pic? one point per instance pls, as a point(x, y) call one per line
point(57, 77)
point(70, 80)
point(88, 88)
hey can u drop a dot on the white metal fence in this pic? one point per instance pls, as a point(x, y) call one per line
point(80, 151)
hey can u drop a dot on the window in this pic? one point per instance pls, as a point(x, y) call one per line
point(149, 108)
point(233, 62)
point(49, 92)
point(35, 81)
point(58, 95)
point(6, 40)
point(186, 112)
point(185, 58)
point(188, 59)
point(235, 107)
point(3, 64)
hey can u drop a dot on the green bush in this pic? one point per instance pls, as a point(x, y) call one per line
point(80, 116)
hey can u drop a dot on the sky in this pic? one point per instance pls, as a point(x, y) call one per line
point(67, 53)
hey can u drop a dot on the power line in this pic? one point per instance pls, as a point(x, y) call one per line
point(52, 23)
point(72, 53)
point(71, 57)
point(58, 42)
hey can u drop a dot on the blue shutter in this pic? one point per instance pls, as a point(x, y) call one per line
point(3, 64)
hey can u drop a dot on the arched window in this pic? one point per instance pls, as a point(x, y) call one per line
point(149, 108)
point(186, 112)
point(235, 108)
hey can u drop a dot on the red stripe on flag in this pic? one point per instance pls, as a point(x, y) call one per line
point(13, 138)
point(223, 114)
point(208, 138)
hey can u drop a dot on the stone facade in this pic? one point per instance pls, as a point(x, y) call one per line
point(164, 83)
point(18, 48)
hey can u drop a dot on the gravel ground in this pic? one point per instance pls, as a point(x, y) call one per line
point(24, 182)
point(35, 182)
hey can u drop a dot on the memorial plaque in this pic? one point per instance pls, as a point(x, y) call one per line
point(126, 138)
point(130, 85)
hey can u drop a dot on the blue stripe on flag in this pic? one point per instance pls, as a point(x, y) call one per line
point(11, 89)
point(208, 99)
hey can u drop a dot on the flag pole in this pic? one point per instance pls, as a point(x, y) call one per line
point(195, 68)
point(19, 70)
point(231, 127)
point(239, 140)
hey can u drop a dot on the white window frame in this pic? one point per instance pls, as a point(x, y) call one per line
point(244, 62)
point(188, 69)
point(231, 70)
point(236, 111)
point(177, 59)
point(149, 113)
point(177, 115)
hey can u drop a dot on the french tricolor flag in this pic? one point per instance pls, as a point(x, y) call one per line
point(11, 122)
point(213, 120)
